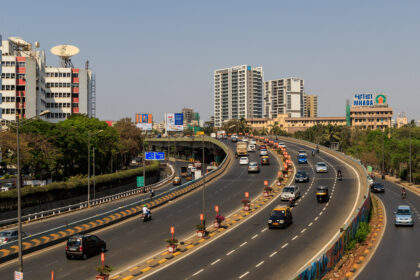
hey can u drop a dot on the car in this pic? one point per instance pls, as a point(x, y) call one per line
point(280, 217)
point(290, 192)
point(404, 216)
point(234, 138)
point(265, 160)
point(224, 136)
point(251, 148)
point(301, 176)
point(252, 142)
point(7, 187)
point(302, 152)
point(321, 167)
point(263, 152)
point(302, 159)
point(245, 139)
point(10, 235)
point(281, 144)
point(253, 167)
point(243, 161)
point(263, 147)
point(377, 188)
point(176, 181)
point(370, 180)
point(83, 246)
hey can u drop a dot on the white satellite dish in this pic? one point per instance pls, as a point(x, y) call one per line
point(21, 43)
point(65, 52)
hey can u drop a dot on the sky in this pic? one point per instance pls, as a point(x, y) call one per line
point(159, 56)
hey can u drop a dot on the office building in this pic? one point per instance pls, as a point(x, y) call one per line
point(29, 87)
point(370, 111)
point(188, 114)
point(401, 120)
point(310, 103)
point(284, 96)
point(238, 93)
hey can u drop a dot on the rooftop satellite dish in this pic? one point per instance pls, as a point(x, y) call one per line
point(37, 44)
point(21, 44)
point(65, 52)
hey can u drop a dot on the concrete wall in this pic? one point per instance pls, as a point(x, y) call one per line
point(31, 92)
point(84, 92)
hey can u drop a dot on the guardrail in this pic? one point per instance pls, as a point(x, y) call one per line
point(328, 258)
point(56, 235)
point(69, 208)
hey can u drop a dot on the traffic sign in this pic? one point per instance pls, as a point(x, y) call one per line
point(155, 156)
point(140, 181)
point(150, 155)
point(18, 275)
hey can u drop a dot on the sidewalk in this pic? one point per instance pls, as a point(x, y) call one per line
point(412, 187)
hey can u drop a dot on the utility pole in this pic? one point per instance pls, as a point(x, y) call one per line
point(94, 179)
point(88, 199)
point(20, 262)
point(409, 166)
point(144, 162)
point(204, 185)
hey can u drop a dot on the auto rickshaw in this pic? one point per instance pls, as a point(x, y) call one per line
point(322, 194)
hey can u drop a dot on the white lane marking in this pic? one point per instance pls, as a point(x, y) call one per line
point(417, 273)
point(216, 261)
point(243, 275)
point(227, 254)
point(303, 230)
point(243, 244)
point(272, 254)
point(323, 209)
point(316, 218)
point(310, 224)
point(295, 237)
point(264, 229)
point(255, 236)
point(320, 213)
point(284, 245)
point(418, 265)
point(201, 270)
point(259, 264)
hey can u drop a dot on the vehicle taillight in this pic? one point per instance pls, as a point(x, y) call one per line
point(6, 239)
point(81, 248)
point(67, 248)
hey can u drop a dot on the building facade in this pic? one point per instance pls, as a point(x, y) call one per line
point(238, 93)
point(310, 106)
point(371, 111)
point(284, 96)
point(29, 87)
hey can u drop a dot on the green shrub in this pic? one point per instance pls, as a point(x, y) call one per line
point(403, 174)
point(362, 232)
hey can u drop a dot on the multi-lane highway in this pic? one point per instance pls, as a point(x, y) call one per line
point(398, 254)
point(251, 251)
point(132, 239)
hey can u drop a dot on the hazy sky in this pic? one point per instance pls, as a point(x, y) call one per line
point(159, 56)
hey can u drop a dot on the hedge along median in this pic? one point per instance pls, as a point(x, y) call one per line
point(73, 187)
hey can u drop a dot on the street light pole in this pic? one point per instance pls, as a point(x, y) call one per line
point(88, 198)
point(94, 179)
point(204, 185)
point(409, 166)
point(144, 163)
point(20, 262)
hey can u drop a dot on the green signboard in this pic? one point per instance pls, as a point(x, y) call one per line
point(369, 169)
point(140, 181)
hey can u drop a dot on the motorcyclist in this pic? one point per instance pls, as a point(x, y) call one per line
point(292, 201)
point(403, 192)
point(313, 152)
point(317, 148)
point(152, 193)
point(146, 211)
point(339, 174)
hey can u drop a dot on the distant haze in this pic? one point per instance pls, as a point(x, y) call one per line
point(159, 56)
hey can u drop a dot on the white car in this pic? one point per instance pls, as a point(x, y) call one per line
point(9, 236)
point(251, 148)
point(281, 144)
point(290, 192)
point(252, 142)
point(370, 180)
point(321, 167)
point(244, 139)
point(263, 152)
point(243, 161)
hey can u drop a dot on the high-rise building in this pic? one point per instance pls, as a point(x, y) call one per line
point(188, 114)
point(238, 93)
point(310, 103)
point(29, 87)
point(284, 96)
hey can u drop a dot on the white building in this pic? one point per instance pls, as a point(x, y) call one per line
point(284, 96)
point(238, 93)
point(29, 87)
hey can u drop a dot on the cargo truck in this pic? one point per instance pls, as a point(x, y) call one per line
point(241, 148)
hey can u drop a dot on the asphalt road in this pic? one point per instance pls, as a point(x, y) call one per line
point(252, 251)
point(398, 254)
point(68, 218)
point(131, 240)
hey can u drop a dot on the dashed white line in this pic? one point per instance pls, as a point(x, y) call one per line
point(227, 254)
point(255, 236)
point(417, 273)
point(216, 261)
point(418, 265)
point(243, 275)
point(310, 224)
point(295, 237)
point(243, 244)
point(284, 245)
point(316, 218)
point(201, 270)
point(272, 254)
point(303, 230)
point(259, 264)
point(264, 229)
point(320, 213)
point(323, 209)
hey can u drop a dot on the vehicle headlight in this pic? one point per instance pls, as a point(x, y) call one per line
point(270, 221)
point(281, 221)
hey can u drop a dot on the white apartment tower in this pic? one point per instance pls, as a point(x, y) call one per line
point(238, 93)
point(284, 96)
point(29, 87)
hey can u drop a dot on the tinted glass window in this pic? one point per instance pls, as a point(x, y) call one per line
point(74, 242)
point(288, 190)
point(4, 234)
point(403, 212)
point(278, 213)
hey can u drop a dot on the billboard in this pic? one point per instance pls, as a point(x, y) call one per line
point(174, 121)
point(369, 99)
point(144, 121)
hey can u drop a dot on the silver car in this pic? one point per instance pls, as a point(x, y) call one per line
point(404, 216)
point(9, 236)
point(321, 167)
point(290, 192)
point(253, 167)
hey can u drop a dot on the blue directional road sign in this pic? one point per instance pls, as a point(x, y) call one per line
point(150, 155)
point(160, 156)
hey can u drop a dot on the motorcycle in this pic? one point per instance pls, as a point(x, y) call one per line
point(403, 195)
point(292, 202)
point(340, 176)
point(147, 217)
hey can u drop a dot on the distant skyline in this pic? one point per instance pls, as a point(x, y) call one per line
point(159, 56)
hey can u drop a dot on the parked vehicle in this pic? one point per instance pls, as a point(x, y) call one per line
point(404, 216)
point(83, 246)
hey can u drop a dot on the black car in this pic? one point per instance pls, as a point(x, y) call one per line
point(83, 246)
point(280, 217)
point(301, 176)
point(377, 187)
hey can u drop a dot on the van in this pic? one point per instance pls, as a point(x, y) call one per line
point(251, 148)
